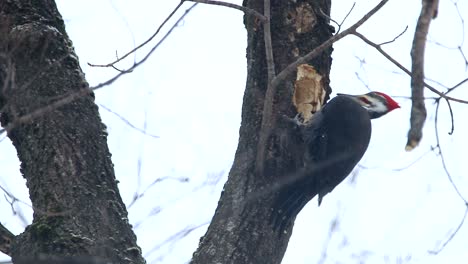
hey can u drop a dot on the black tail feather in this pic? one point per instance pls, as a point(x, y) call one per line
point(289, 203)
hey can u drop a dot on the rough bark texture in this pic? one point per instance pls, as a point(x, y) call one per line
point(64, 156)
point(240, 231)
point(418, 107)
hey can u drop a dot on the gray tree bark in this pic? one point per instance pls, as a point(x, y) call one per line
point(240, 231)
point(78, 211)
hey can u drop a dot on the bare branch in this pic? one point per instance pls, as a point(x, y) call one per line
point(362, 81)
point(462, 21)
point(128, 122)
point(451, 117)
point(456, 86)
point(142, 44)
point(334, 225)
point(350, 10)
point(13, 199)
point(416, 160)
point(68, 98)
point(267, 119)
point(462, 33)
point(292, 67)
point(418, 108)
point(390, 58)
point(135, 65)
point(334, 21)
point(331, 19)
point(464, 57)
point(238, 7)
point(409, 97)
point(137, 195)
point(442, 158)
point(449, 176)
point(176, 237)
point(268, 46)
point(437, 251)
point(395, 38)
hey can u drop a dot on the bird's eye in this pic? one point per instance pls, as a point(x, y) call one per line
point(365, 100)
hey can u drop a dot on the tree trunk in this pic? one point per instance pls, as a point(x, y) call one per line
point(241, 230)
point(63, 150)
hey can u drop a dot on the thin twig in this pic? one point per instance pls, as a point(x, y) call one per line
point(409, 97)
point(362, 81)
point(444, 165)
point(416, 160)
point(334, 21)
point(456, 86)
point(238, 7)
point(391, 59)
point(462, 21)
point(449, 176)
point(347, 15)
point(142, 44)
point(395, 38)
point(176, 237)
point(449, 89)
point(135, 65)
point(291, 68)
point(13, 198)
point(331, 19)
point(138, 195)
point(267, 115)
point(326, 244)
point(435, 252)
point(127, 122)
point(70, 97)
point(451, 117)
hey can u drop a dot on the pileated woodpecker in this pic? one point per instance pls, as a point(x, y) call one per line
point(335, 139)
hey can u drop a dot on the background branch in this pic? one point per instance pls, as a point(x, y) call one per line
point(399, 65)
point(111, 64)
point(418, 108)
point(449, 176)
point(230, 5)
point(68, 98)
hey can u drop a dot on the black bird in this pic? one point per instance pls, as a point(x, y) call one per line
point(335, 140)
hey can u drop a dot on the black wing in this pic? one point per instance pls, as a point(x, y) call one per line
point(335, 141)
point(298, 188)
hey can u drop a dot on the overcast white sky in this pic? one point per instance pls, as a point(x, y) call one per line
point(189, 93)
